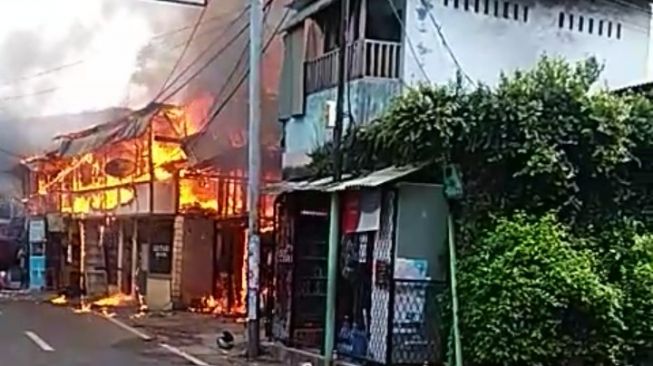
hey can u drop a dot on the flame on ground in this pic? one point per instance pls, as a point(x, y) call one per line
point(83, 308)
point(210, 305)
point(118, 299)
point(59, 300)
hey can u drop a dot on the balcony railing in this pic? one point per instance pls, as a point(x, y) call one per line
point(365, 58)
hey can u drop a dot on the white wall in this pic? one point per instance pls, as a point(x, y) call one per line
point(485, 44)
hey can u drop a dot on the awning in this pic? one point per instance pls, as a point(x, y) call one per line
point(306, 12)
point(371, 180)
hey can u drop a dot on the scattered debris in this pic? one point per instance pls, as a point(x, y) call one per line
point(226, 340)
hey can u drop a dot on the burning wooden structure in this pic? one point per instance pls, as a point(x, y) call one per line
point(140, 217)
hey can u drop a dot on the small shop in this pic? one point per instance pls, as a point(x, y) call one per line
point(392, 266)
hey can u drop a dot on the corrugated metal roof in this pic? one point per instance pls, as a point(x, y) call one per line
point(371, 180)
point(377, 178)
point(132, 126)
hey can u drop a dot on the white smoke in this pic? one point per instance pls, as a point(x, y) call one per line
point(102, 40)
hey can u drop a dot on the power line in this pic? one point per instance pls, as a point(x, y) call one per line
point(202, 68)
point(438, 28)
point(408, 40)
point(28, 95)
point(183, 52)
point(42, 73)
point(242, 79)
point(201, 54)
point(53, 89)
point(11, 153)
point(82, 61)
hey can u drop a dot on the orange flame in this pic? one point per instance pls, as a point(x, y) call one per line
point(118, 299)
point(83, 308)
point(59, 300)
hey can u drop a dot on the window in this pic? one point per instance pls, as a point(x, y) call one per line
point(506, 10)
point(600, 27)
point(571, 21)
point(609, 29)
point(561, 20)
point(525, 14)
point(466, 5)
point(496, 8)
point(455, 3)
point(581, 22)
point(590, 25)
point(477, 5)
point(515, 12)
point(487, 7)
point(618, 30)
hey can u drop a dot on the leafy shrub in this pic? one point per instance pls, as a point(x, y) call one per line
point(530, 297)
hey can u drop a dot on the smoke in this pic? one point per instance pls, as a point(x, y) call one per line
point(64, 58)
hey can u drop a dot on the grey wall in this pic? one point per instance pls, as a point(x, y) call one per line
point(421, 231)
point(486, 44)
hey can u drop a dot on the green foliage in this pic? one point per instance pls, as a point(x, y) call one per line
point(529, 297)
point(637, 285)
point(534, 289)
point(541, 140)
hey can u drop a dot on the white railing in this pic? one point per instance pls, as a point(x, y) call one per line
point(365, 58)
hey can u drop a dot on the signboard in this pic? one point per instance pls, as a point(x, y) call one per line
point(361, 211)
point(160, 258)
point(37, 230)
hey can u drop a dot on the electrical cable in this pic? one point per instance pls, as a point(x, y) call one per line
point(11, 153)
point(212, 59)
point(233, 92)
point(443, 39)
point(202, 68)
point(189, 41)
point(408, 40)
point(81, 61)
point(199, 57)
point(27, 95)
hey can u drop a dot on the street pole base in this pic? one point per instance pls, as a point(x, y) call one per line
point(253, 340)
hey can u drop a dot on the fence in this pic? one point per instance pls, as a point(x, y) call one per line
point(416, 325)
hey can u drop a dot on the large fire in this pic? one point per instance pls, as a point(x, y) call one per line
point(117, 174)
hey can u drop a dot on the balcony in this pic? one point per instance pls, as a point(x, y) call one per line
point(365, 59)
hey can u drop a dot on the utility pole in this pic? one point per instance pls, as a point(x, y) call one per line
point(334, 221)
point(254, 172)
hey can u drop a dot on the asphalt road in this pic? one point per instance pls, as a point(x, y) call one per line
point(37, 334)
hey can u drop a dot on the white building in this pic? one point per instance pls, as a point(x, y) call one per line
point(396, 42)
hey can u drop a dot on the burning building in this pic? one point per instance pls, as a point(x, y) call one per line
point(141, 217)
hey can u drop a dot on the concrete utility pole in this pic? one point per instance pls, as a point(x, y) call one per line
point(334, 217)
point(254, 172)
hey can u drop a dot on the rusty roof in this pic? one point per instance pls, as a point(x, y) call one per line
point(131, 126)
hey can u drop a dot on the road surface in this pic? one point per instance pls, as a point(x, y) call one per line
point(37, 334)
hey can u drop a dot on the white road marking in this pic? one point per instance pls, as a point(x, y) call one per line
point(190, 358)
point(128, 328)
point(39, 341)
